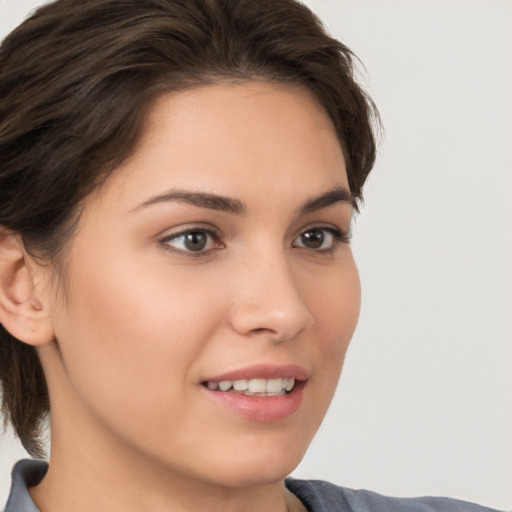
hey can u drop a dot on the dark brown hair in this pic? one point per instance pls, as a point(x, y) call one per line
point(76, 81)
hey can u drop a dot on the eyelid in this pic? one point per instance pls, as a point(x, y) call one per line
point(340, 236)
point(211, 231)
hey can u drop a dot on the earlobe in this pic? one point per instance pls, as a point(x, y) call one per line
point(23, 308)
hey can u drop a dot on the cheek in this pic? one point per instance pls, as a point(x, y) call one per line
point(129, 337)
point(334, 299)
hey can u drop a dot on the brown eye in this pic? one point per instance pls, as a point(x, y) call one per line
point(193, 241)
point(313, 239)
point(320, 239)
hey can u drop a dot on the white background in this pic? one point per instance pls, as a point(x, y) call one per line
point(425, 402)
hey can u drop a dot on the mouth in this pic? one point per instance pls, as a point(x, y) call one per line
point(253, 387)
point(260, 392)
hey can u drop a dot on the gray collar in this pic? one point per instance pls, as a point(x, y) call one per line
point(26, 473)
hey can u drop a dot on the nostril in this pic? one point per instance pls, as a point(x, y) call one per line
point(279, 317)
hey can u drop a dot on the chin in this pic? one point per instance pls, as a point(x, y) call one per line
point(256, 465)
point(248, 476)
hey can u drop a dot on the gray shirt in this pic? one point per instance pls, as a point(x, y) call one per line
point(316, 495)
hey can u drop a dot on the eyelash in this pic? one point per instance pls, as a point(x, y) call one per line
point(212, 234)
point(338, 237)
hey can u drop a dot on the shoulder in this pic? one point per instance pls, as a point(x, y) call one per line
point(319, 496)
point(25, 474)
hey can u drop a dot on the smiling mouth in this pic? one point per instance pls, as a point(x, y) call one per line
point(253, 387)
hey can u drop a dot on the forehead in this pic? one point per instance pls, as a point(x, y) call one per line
point(233, 138)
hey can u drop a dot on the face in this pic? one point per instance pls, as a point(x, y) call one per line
point(213, 290)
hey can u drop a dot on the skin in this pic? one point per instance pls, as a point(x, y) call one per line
point(146, 322)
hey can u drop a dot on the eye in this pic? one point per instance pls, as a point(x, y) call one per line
point(320, 239)
point(193, 241)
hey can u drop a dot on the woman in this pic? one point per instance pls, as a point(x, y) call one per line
point(177, 182)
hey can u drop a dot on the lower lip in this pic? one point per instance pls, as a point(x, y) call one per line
point(260, 408)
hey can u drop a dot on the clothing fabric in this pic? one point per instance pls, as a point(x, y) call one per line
point(317, 496)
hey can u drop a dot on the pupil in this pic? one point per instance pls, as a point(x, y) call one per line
point(313, 239)
point(195, 241)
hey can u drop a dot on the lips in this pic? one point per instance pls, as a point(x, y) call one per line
point(262, 371)
point(260, 392)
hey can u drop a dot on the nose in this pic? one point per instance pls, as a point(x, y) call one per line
point(268, 302)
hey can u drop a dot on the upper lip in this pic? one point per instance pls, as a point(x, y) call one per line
point(262, 371)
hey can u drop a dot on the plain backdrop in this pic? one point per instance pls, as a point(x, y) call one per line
point(425, 401)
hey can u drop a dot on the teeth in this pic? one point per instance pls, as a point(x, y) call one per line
point(241, 385)
point(257, 386)
point(254, 386)
point(225, 385)
point(274, 386)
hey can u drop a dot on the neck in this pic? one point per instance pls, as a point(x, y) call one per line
point(80, 491)
point(82, 478)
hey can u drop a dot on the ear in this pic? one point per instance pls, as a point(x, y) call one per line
point(24, 310)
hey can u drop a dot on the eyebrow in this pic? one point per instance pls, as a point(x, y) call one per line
point(199, 199)
point(237, 207)
point(333, 196)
